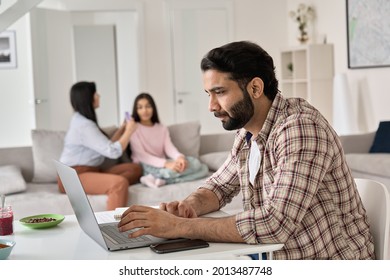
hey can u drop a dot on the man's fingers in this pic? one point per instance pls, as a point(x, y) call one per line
point(138, 233)
point(134, 212)
point(140, 230)
point(172, 207)
point(183, 211)
point(136, 208)
point(163, 206)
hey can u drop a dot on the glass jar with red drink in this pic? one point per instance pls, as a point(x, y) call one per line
point(6, 220)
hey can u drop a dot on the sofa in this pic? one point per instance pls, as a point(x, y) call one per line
point(28, 176)
point(362, 162)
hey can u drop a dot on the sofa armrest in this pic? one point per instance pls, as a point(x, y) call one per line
point(357, 143)
point(218, 142)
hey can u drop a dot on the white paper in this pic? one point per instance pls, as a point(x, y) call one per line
point(105, 217)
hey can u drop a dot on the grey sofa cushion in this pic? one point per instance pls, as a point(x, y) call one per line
point(214, 160)
point(46, 146)
point(11, 180)
point(21, 157)
point(186, 137)
point(377, 163)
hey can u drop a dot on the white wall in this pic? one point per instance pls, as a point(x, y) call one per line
point(16, 92)
point(128, 62)
point(370, 88)
point(253, 21)
point(263, 21)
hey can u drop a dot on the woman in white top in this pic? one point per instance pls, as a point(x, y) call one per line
point(86, 146)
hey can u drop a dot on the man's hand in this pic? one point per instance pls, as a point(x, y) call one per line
point(159, 223)
point(179, 208)
point(150, 221)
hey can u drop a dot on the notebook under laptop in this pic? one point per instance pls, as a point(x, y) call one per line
point(107, 235)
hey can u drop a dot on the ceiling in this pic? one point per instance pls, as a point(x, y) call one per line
point(12, 10)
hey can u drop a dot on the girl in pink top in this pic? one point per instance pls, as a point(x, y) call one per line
point(152, 147)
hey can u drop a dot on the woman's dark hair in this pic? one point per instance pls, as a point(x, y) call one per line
point(148, 97)
point(243, 61)
point(82, 98)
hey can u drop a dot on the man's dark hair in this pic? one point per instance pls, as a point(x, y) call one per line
point(150, 99)
point(243, 61)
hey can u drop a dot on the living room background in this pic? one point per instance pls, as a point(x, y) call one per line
point(263, 21)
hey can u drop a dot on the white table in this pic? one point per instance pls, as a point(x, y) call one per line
point(67, 241)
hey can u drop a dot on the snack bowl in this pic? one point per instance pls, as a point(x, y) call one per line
point(42, 221)
point(6, 247)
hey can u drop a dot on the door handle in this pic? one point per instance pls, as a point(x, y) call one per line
point(38, 101)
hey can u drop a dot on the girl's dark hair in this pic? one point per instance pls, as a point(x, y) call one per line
point(82, 97)
point(243, 61)
point(148, 97)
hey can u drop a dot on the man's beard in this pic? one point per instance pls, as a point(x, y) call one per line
point(241, 113)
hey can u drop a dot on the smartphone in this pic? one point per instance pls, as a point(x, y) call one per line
point(176, 246)
point(127, 116)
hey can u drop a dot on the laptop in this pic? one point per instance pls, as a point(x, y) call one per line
point(106, 235)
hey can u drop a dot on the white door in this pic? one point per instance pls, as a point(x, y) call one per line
point(67, 48)
point(52, 57)
point(196, 28)
point(95, 58)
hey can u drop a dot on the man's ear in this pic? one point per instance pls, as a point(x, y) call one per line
point(256, 87)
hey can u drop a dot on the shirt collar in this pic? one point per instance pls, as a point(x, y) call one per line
point(273, 114)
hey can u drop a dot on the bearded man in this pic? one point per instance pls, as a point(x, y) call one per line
point(286, 160)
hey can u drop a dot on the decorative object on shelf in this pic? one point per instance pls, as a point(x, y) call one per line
point(312, 76)
point(290, 68)
point(303, 15)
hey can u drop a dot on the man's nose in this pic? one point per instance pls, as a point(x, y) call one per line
point(213, 103)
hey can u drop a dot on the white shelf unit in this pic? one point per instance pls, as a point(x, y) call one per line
point(311, 77)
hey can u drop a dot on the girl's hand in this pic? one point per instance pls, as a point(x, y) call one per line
point(170, 164)
point(182, 163)
point(178, 165)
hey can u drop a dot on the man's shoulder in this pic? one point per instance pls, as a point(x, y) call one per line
point(299, 112)
point(301, 121)
point(302, 127)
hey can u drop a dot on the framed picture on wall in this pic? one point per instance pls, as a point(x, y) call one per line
point(368, 33)
point(7, 50)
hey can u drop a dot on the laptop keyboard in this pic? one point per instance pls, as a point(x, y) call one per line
point(121, 237)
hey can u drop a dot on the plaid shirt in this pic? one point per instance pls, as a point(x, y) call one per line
point(304, 195)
